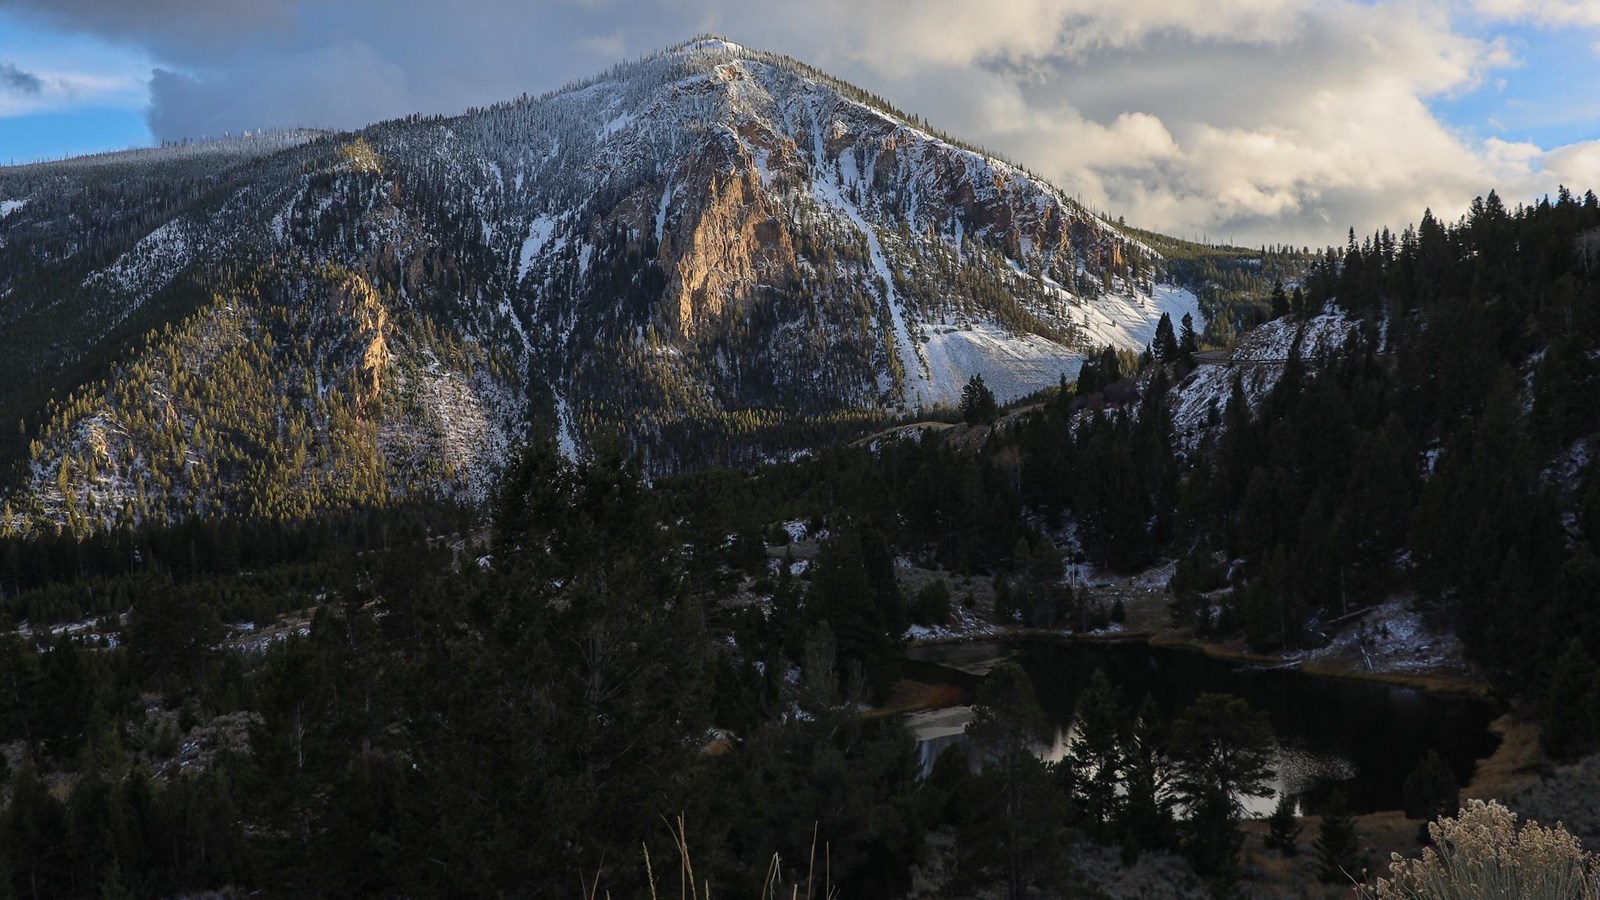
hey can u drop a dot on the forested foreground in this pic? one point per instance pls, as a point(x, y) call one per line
point(518, 724)
point(409, 701)
point(537, 720)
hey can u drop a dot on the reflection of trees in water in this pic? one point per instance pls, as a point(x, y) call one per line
point(1366, 738)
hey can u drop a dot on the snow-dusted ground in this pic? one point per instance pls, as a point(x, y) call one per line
point(1012, 365)
point(1128, 320)
point(964, 624)
point(144, 270)
point(7, 207)
point(1271, 342)
point(1257, 361)
point(247, 639)
point(84, 631)
point(1393, 638)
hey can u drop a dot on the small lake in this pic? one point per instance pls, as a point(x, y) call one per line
point(1359, 737)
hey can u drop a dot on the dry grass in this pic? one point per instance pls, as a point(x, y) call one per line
point(817, 884)
point(1515, 765)
point(1271, 874)
point(912, 696)
point(1350, 668)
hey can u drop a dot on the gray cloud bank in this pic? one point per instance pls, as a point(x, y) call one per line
point(14, 79)
point(1254, 120)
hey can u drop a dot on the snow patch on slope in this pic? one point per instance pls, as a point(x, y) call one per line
point(1128, 321)
point(7, 207)
point(539, 234)
point(564, 437)
point(140, 273)
point(1012, 365)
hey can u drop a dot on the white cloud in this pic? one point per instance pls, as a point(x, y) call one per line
point(1294, 136)
point(61, 89)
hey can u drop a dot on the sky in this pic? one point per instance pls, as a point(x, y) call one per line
point(1245, 121)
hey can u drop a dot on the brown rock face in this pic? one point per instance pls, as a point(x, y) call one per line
point(353, 296)
point(732, 242)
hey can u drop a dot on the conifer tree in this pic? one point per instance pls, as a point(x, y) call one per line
point(1095, 756)
point(1147, 807)
point(1188, 341)
point(1220, 749)
point(1283, 827)
point(977, 402)
point(1017, 843)
point(1165, 344)
point(1568, 726)
point(1430, 790)
point(1337, 846)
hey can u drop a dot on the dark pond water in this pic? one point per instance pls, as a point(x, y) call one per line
point(1358, 737)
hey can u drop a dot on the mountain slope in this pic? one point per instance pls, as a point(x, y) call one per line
point(720, 253)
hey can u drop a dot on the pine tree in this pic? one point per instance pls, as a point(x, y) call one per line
point(1337, 847)
point(1568, 726)
point(1220, 749)
point(1430, 790)
point(977, 402)
point(1147, 808)
point(1188, 341)
point(1280, 300)
point(1165, 344)
point(1017, 841)
point(1283, 827)
point(1095, 756)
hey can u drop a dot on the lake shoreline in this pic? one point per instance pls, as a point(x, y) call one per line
point(1445, 674)
point(1446, 685)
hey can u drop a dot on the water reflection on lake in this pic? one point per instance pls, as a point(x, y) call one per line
point(1358, 737)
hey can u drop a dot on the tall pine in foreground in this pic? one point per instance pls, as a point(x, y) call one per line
point(1015, 840)
point(1337, 846)
point(1220, 750)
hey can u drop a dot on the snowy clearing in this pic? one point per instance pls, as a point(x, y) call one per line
point(1012, 365)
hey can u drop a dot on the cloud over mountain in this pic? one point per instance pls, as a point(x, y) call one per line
point(1252, 120)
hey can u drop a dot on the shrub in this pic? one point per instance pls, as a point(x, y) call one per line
point(1483, 854)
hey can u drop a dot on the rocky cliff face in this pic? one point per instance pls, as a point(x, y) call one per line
point(719, 252)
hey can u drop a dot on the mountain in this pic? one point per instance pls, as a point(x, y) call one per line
point(719, 254)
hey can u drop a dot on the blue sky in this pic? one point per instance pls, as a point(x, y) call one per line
point(1257, 120)
point(1548, 96)
point(91, 95)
